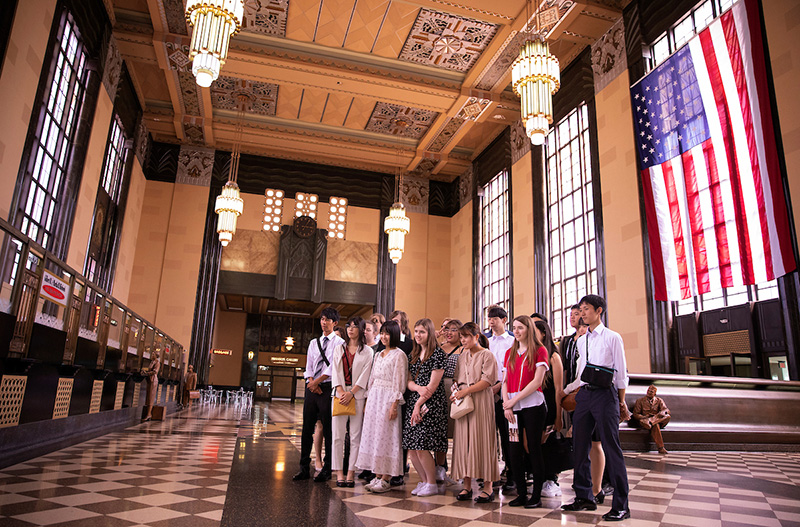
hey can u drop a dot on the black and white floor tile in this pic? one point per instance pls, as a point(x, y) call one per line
point(221, 465)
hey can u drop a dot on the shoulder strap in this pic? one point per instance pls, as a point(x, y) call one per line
point(322, 353)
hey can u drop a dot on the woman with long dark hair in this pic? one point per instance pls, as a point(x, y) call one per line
point(553, 389)
point(524, 407)
point(381, 434)
point(425, 422)
point(475, 438)
point(350, 371)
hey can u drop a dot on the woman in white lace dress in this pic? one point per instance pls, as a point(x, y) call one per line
point(380, 450)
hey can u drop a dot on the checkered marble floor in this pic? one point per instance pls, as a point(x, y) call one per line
point(157, 474)
point(679, 489)
point(177, 472)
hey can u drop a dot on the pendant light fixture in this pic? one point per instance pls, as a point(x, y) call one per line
point(229, 205)
point(397, 225)
point(536, 77)
point(214, 22)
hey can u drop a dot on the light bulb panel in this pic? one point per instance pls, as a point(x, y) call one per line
point(274, 200)
point(337, 218)
point(306, 205)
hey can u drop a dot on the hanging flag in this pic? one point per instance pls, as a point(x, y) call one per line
point(714, 200)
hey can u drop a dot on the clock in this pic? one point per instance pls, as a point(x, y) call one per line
point(305, 226)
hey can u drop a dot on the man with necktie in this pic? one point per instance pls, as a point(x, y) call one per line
point(317, 401)
point(603, 378)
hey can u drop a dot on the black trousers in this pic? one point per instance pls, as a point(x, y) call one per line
point(531, 420)
point(598, 410)
point(316, 407)
point(502, 427)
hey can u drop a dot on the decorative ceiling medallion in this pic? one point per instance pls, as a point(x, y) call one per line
point(261, 97)
point(473, 108)
point(266, 16)
point(194, 133)
point(424, 168)
point(445, 134)
point(446, 41)
point(178, 56)
point(400, 120)
point(175, 16)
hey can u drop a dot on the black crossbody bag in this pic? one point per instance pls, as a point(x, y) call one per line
point(595, 375)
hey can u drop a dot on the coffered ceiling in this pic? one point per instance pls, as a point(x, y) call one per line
point(367, 84)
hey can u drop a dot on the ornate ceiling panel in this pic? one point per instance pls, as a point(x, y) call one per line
point(446, 41)
point(259, 97)
point(400, 120)
point(349, 82)
point(266, 16)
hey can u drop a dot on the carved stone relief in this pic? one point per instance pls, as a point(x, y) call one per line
point(178, 55)
point(143, 140)
point(266, 16)
point(261, 97)
point(465, 187)
point(396, 119)
point(608, 56)
point(520, 142)
point(447, 41)
point(414, 194)
point(189, 95)
point(175, 16)
point(195, 166)
point(113, 68)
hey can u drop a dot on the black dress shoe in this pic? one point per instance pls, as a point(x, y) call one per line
point(580, 504)
point(485, 498)
point(519, 501)
point(464, 495)
point(303, 474)
point(509, 485)
point(616, 516)
point(324, 475)
point(600, 497)
point(350, 484)
point(533, 504)
point(341, 483)
point(366, 475)
point(396, 481)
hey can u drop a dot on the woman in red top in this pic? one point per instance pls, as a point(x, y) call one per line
point(525, 409)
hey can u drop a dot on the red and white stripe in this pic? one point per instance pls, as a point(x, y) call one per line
point(718, 215)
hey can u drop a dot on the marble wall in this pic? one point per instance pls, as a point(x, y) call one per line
point(251, 252)
point(349, 261)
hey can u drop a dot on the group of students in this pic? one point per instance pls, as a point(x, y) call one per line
point(391, 388)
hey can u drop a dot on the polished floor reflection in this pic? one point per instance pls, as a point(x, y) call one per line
point(222, 465)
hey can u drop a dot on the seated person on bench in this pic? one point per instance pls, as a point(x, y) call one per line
point(652, 414)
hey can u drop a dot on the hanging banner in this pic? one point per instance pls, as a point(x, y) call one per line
point(54, 289)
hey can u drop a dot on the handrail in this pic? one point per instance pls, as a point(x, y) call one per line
point(708, 379)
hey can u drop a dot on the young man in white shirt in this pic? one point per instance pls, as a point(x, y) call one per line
point(317, 401)
point(603, 378)
point(500, 341)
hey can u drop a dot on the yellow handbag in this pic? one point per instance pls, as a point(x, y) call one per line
point(343, 409)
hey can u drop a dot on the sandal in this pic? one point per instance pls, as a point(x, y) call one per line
point(464, 495)
point(484, 497)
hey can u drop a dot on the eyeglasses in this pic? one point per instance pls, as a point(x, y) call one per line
point(450, 330)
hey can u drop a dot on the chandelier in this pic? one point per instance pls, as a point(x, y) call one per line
point(536, 77)
point(229, 204)
point(214, 22)
point(397, 224)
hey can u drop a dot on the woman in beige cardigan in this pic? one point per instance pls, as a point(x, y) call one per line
point(350, 371)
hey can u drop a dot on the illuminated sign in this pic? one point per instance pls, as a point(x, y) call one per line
point(222, 352)
point(284, 361)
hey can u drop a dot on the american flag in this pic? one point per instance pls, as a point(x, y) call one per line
point(714, 200)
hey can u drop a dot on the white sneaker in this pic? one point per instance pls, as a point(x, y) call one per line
point(417, 488)
point(441, 473)
point(428, 489)
point(382, 486)
point(368, 487)
point(550, 489)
